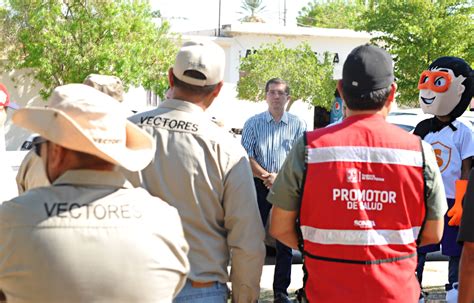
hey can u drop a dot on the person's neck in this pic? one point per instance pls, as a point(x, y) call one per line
point(444, 118)
point(201, 101)
point(277, 115)
point(383, 111)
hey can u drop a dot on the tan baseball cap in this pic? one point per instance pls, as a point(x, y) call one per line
point(84, 119)
point(110, 85)
point(203, 56)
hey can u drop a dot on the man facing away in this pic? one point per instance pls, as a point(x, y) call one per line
point(362, 194)
point(205, 174)
point(268, 138)
point(31, 172)
point(89, 236)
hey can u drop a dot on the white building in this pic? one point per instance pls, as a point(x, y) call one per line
point(238, 40)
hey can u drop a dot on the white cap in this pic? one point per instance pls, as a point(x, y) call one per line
point(203, 56)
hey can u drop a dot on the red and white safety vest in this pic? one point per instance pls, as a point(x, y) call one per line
point(361, 212)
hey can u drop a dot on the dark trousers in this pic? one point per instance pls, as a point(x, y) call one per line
point(282, 275)
point(420, 266)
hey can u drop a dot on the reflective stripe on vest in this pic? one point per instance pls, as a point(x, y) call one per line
point(360, 237)
point(364, 154)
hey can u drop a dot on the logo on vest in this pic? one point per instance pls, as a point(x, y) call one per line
point(353, 175)
point(364, 223)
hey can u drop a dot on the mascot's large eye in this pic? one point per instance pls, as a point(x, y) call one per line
point(425, 79)
point(440, 81)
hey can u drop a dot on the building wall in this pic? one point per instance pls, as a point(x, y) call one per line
point(336, 46)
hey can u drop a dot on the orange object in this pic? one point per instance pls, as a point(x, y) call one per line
point(456, 211)
point(437, 81)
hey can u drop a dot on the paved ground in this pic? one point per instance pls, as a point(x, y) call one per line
point(434, 278)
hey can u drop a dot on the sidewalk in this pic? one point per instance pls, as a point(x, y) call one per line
point(434, 277)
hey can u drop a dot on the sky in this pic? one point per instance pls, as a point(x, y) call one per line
point(187, 15)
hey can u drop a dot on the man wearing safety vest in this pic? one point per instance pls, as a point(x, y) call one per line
point(363, 192)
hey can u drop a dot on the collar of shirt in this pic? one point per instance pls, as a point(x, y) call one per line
point(362, 117)
point(93, 177)
point(269, 117)
point(181, 105)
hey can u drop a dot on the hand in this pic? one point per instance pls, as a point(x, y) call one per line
point(456, 211)
point(268, 179)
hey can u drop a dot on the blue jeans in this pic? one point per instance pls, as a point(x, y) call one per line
point(282, 275)
point(217, 293)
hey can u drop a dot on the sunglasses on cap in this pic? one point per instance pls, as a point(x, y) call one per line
point(37, 142)
point(437, 81)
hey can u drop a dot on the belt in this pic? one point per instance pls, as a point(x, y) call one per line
point(197, 284)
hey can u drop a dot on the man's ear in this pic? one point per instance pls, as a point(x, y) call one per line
point(55, 155)
point(170, 77)
point(217, 89)
point(391, 96)
point(393, 90)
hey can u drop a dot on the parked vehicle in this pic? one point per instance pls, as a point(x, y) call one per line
point(409, 118)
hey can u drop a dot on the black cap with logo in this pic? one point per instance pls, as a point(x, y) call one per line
point(366, 69)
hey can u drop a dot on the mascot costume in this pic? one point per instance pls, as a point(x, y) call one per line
point(446, 90)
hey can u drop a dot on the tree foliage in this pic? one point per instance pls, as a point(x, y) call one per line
point(310, 79)
point(417, 32)
point(331, 14)
point(252, 7)
point(62, 42)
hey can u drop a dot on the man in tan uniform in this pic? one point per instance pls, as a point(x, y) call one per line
point(31, 173)
point(90, 236)
point(203, 171)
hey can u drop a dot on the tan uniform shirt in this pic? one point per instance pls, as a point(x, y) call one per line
point(205, 173)
point(91, 237)
point(31, 173)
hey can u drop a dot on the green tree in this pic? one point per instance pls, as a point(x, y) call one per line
point(63, 41)
point(416, 32)
point(310, 78)
point(332, 13)
point(252, 7)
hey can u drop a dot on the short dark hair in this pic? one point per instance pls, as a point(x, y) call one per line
point(373, 100)
point(194, 89)
point(277, 81)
